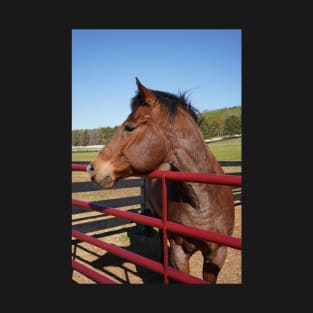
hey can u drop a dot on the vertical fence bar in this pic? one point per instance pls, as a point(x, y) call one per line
point(164, 230)
point(236, 181)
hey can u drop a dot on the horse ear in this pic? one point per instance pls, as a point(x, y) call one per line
point(148, 96)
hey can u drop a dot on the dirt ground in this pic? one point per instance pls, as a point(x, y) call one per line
point(135, 238)
point(138, 239)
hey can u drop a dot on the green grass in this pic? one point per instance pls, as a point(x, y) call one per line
point(84, 156)
point(226, 150)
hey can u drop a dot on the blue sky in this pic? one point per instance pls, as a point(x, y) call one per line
point(204, 62)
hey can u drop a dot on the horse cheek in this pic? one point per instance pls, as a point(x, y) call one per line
point(146, 154)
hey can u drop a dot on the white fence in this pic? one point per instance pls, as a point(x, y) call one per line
point(87, 148)
point(222, 138)
point(99, 147)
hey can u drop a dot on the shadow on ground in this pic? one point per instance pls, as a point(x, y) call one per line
point(144, 241)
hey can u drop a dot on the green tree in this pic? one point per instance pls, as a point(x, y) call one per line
point(75, 138)
point(85, 137)
point(204, 126)
point(233, 125)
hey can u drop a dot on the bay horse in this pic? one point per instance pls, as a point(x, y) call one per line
point(162, 133)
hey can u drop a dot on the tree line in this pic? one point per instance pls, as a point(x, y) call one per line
point(214, 123)
point(221, 122)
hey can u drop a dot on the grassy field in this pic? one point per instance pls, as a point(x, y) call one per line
point(226, 150)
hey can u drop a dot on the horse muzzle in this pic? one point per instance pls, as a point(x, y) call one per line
point(104, 180)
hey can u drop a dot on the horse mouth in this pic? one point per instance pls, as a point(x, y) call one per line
point(106, 182)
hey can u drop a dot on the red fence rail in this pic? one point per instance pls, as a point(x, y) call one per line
point(163, 224)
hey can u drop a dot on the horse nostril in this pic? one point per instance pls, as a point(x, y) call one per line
point(90, 170)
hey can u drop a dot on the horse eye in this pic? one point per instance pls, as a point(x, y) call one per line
point(129, 127)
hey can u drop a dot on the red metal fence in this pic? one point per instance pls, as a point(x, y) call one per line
point(164, 224)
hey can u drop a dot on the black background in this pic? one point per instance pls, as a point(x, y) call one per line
point(36, 55)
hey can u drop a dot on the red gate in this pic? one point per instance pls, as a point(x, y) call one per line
point(164, 224)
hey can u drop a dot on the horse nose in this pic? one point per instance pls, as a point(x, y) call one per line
point(91, 171)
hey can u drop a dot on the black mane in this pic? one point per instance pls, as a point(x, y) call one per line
point(170, 103)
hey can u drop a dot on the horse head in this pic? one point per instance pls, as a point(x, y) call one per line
point(137, 147)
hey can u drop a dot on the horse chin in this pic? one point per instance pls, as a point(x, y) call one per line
point(107, 182)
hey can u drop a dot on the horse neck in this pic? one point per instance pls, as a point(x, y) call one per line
point(189, 152)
